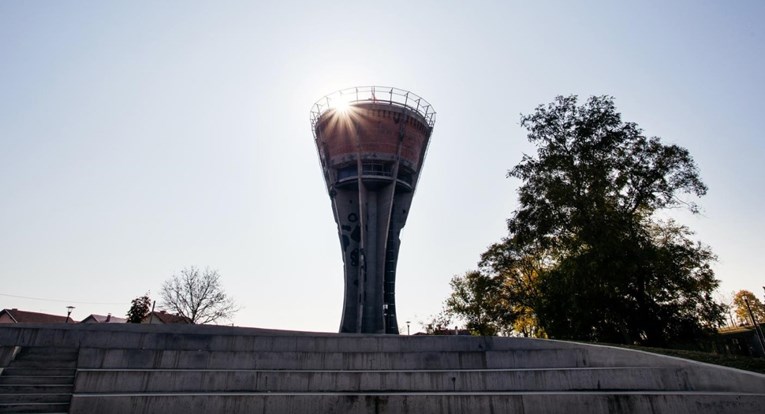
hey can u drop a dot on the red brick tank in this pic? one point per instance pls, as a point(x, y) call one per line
point(377, 127)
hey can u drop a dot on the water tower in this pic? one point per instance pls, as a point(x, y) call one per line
point(371, 142)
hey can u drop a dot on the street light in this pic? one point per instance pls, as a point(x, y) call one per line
point(755, 323)
point(407, 327)
point(69, 310)
point(386, 319)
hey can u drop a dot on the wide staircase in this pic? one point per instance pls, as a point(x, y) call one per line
point(200, 369)
point(38, 380)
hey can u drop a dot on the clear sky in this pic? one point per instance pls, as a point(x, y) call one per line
point(141, 137)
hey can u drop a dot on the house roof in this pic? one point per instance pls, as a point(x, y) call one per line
point(20, 316)
point(165, 317)
point(93, 318)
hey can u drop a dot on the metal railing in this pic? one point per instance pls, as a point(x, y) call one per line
point(373, 94)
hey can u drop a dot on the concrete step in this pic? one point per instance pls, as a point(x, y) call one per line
point(38, 379)
point(36, 388)
point(222, 338)
point(35, 398)
point(35, 379)
point(576, 379)
point(34, 363)
point(405, 403)
point(38, 372)
point(521, 358)
point(35, 408)
point(45, 352)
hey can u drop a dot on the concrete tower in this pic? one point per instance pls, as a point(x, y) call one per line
point(371, 142)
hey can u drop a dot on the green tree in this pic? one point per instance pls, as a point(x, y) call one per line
point(475, 299)
point(491, 305)
point(517, 272)
point(740, 310)
point(139, 308)
point(586, 255)
point(198, 296)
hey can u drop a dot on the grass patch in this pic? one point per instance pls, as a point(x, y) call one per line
point(732, 361)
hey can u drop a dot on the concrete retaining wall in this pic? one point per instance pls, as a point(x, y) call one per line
point(187, 369)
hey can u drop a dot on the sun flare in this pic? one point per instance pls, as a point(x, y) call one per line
point(342, 104)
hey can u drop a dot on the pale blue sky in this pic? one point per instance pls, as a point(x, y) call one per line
point(140, 137)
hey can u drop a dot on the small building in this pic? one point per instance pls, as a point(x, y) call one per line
point(162, 317)
point(18, 316)
point(93, 318)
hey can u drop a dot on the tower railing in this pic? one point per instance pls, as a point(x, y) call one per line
point(373, 94)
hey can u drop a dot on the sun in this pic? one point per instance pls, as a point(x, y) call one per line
point(342, 104)
point(339, 110)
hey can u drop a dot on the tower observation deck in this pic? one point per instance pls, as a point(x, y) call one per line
point(371, 142)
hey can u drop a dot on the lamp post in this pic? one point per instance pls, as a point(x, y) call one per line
point(407, 327)
point(386, 318)
point(69, 310)
point(756, 324)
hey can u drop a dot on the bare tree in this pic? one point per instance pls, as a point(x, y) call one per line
point(198, 296)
